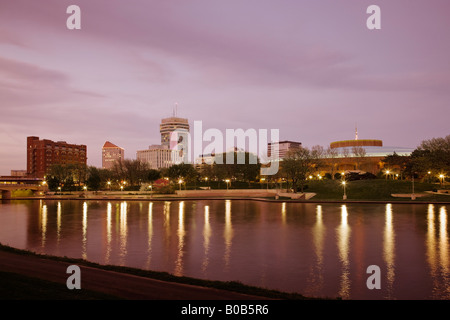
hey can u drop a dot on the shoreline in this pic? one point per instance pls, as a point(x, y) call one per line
point(234, 198)
point(120, 282)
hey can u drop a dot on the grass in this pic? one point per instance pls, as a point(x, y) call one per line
point(14, 286)
point(376, 189)
point(19, 287)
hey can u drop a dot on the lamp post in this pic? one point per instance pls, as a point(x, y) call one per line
point(345, 194)
point(109, 185)
point(227, 181)
point(441, 177)
point(387, 173)
point(180, 182)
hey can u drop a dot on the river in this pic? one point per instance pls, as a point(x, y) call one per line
point(316, 249)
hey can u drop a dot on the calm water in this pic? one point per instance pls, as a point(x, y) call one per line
point(316, 250)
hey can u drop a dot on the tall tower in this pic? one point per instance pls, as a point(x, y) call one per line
point(169, 125)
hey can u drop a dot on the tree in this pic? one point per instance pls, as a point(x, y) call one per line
point(94, 179)
point(430, 155)
point(237, 165)
point(152, 175)
point(297, 165)
point(359, 153)
point(183, 171)
point(394, 160)
point(132, 171)
point(318, 155)
point(332, 155)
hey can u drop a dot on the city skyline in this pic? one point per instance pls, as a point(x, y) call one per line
point(312, 70)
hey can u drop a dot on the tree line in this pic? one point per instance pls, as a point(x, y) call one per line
point(430, 159)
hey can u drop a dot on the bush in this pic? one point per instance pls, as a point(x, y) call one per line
point(353, 176)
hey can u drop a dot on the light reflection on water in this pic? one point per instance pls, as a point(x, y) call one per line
point(314, 249)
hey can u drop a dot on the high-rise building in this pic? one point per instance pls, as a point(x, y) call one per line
point(42, 154)
point(169, 125)
point(283, 148)
point(110, 154)
point(166, 155)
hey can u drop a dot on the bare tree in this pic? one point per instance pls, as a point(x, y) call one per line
point(332, 156)
point(359, 153)
point(297, 165)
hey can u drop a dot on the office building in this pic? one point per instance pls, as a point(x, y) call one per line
point(110, 154)
point(158, 156)
point(42, 154)
point(283, 148)
point(169, 125)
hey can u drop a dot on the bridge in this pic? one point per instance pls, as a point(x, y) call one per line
point(10, 184)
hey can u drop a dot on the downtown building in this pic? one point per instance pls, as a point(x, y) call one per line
point(165, 155)
point(42, 154)
point(283, 148)
point(111, 154)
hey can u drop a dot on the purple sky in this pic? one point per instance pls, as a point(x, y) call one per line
point(309, 68)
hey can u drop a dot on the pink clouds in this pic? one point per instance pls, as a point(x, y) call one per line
point(229, 63)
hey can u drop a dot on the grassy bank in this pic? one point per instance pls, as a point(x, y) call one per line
point(376, 190)
point(332, 190)
point(14, 286)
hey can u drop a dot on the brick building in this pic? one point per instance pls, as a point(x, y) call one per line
point(42, 154)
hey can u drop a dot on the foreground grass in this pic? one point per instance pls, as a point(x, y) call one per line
point(14, 286)
point(376, 190)
point(19, 287)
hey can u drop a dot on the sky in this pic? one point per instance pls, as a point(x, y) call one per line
point(311, 69)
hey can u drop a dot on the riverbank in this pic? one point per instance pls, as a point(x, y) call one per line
point(399, 199)
point(28, 275)
point(362, 191)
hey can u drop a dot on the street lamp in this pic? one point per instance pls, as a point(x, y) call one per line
point(345, 194)
point(109, 185)
point(180, 182)
point(227, 181)
point(387, 173)
point(121, 188)
point(441, 177)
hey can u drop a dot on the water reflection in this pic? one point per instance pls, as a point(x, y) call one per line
point(315, 279)
point(438, 251)
point(181, 234)
point(444, 251)
point(343, 234)
point(443, 242)
point(150, 234)
point(123, 231)
point(108, 231)
point(84, 230)
point(58, 222)
point(316, 250)
point(389, 249)
point(43, 220)
point(206, 240)
point(283, 213)
point(228, 233)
